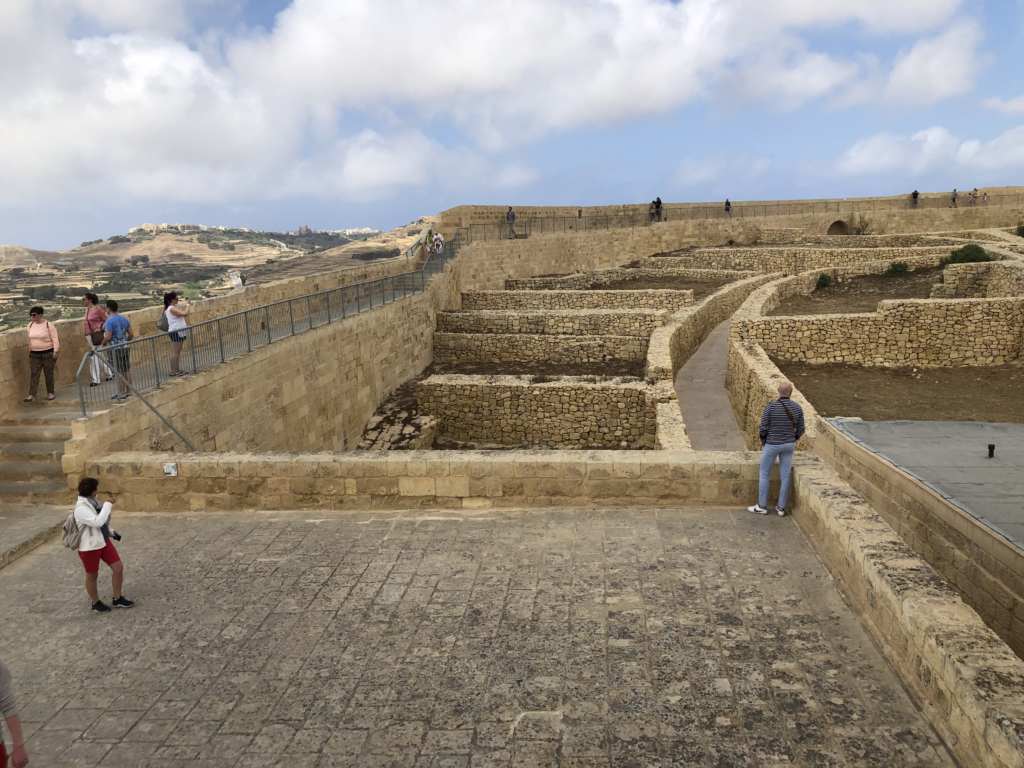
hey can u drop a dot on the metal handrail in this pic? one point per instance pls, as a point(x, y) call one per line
point(117, 374)
point(529, 225)
point(154, 359)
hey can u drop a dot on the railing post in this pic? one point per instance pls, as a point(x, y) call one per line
point(358, 307)
point(266, 313)
point(248, 340)
point(291, 317)
point(327, 295)
point(220, 340)
point(192, 346)
point(309, 313)
point(156, 363)
point(342, 292)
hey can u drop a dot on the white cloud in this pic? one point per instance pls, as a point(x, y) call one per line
point(145, 108)
point(710, 170)
point(1013, 106)
point(937, 68)
point(933, 150)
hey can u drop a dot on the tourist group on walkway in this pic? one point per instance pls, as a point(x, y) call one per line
point(107, 333)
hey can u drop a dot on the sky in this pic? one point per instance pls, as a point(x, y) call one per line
point(269, 114)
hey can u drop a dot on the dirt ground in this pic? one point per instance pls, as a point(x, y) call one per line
point(861, 294)
point(609, 368)
point(993, 394)
point(700, 287)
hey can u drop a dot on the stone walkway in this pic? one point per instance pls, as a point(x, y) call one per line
point(569, 638)
point(700, 387)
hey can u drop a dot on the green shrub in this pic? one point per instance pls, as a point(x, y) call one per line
point(824, 281)
point(969, 254)
point(896, 269)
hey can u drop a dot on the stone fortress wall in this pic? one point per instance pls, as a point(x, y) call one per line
point(968, 681)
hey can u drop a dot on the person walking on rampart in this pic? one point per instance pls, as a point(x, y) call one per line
point(93, 322)
point(43, 346)
point(953, 199)
point(176, 326)
point(9, 709)
point(913, 197)
point(782, 424)
point(728, 208)
point(94, 520)
point(117, 333)
point(657, 208)
point(510, 217)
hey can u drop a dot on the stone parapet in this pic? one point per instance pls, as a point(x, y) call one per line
point(573, 412)
point(593, 322)
point(657, 299)
point(455, 348)
point(984, 567)
point(969, 684)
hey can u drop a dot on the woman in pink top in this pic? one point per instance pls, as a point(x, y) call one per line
point(43, 346)
point(95, 317)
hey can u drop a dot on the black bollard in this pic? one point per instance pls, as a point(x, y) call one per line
point(991, 450)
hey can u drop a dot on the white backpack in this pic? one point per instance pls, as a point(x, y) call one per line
point(71, 532)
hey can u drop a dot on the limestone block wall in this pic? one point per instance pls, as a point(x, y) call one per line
point(926, 332)
point(673, 344)
point(967, 681)
point(670, 300)
point(791, 236)
point(14, 371)
point(795, 260)
point(594, 322)
point(983, 280)
point(455, 348)
point(981, 565)
point(313, 390)
point(569, 412)
point(584, 280)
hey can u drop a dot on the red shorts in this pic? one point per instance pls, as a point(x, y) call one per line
point(92, 558)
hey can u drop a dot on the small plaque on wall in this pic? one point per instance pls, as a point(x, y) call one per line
point(171, 470)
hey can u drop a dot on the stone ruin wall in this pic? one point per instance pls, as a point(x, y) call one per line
point(984, 280)
point(795, 260)
point(566, 322)
point(452, 349)
point(584, 280)
point(519, 411)
point(577, 300)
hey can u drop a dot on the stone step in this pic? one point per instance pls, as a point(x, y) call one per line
point(573, 322)
point(42, 413)
point(24, 451)
point(36, 491)
point(31, 470)
point(23, 527)
point(35, 434)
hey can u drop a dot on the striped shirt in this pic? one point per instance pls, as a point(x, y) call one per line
point(776, 428)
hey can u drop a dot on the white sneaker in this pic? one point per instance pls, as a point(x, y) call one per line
point(757, 509)
point(781, 512)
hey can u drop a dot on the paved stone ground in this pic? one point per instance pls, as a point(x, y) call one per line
point(23, 527)
point(700, 387)
point(952, 456)
point(564, 638)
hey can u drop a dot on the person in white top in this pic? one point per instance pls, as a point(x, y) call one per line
point(176, 327)
point(95, 544)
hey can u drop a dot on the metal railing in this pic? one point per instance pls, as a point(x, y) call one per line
point(526, 226)
point(147, 363)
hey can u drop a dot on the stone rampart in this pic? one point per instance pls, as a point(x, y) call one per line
point(926, 332)
point(656, 299)
point(673, 344)
point(979, 563)
point(455, 348)
point(594, 322)
point(985, 280)
point(966, 680)
point(568, 412)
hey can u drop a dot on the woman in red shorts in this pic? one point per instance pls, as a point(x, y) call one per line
point(96, 545)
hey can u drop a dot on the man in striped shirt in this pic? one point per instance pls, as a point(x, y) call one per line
point(782, 424)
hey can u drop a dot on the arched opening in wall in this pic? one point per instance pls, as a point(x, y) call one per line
point(839, 228)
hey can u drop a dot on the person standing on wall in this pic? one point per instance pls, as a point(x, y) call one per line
point(117, 333)
point(510, 217)
point(953, 199)
point(43, 346)
point(728, 208)
point(94, 520)
point(782, 424)
point(93, 322)
point(176, 326)
point(913, 198)
point(9, 709)
point(657, 208)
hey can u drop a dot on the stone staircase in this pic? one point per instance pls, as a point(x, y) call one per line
point(34, 495)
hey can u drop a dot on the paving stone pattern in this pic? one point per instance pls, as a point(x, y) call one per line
point(566, 638)
point(704, 401)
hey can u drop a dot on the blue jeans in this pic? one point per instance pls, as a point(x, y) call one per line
point(768, 454)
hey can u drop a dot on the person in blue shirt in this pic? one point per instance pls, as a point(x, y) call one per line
point(117, 332)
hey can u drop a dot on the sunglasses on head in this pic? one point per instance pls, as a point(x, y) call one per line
point(34, 314)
